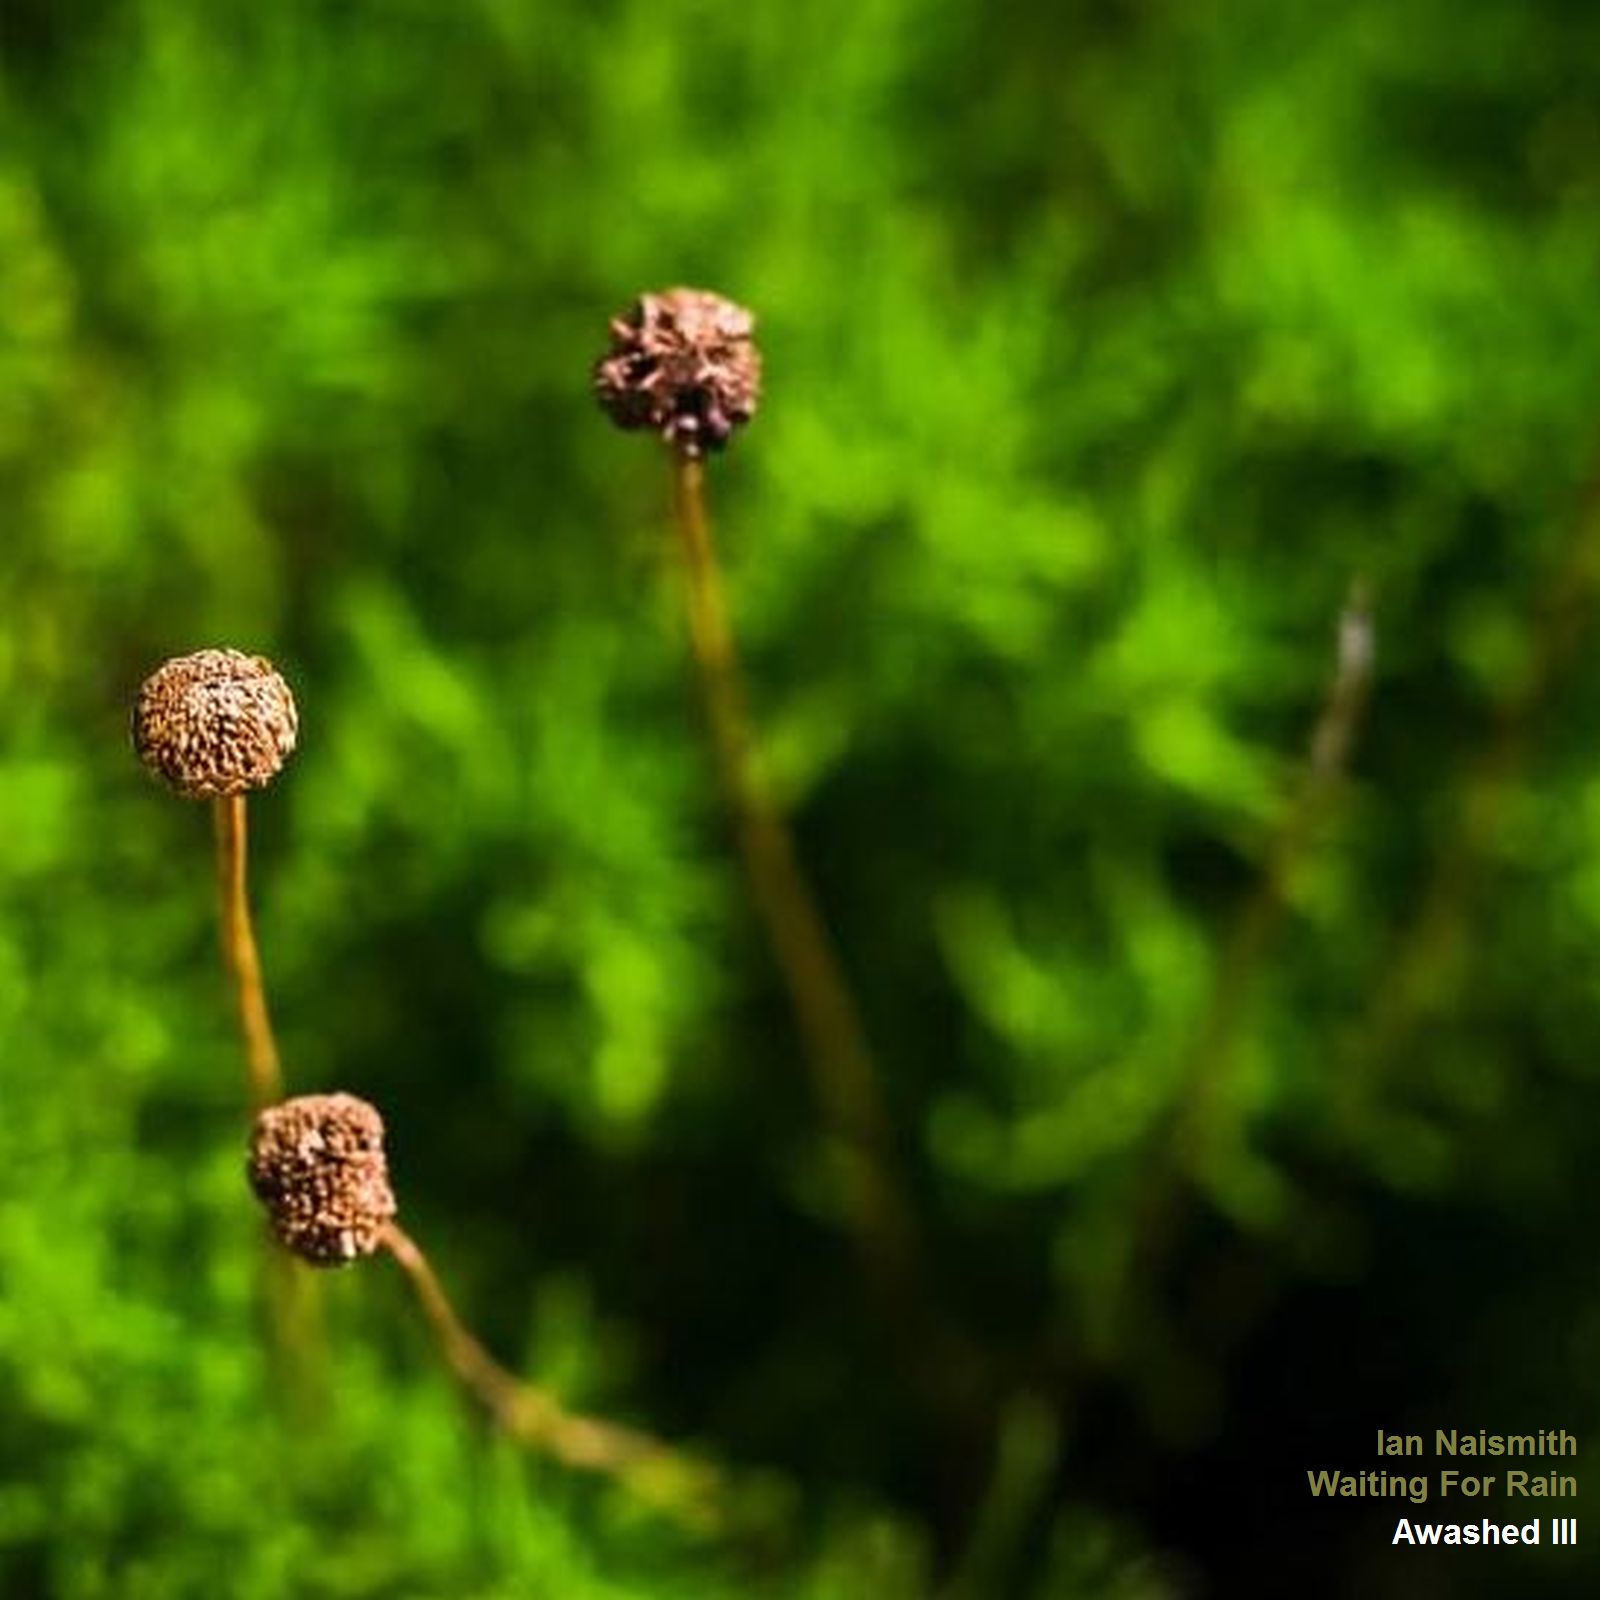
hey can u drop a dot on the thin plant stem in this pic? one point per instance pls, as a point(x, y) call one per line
point(1199, 1119)
point(241, 956)
point(294, 1307)
point(1251, 938)
point(1027, 1453)
point(844, 1076)
point(1428, 950)
point(647, 1467)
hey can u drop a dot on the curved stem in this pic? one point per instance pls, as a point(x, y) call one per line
point(241, 956)
point(651, 1469)
point(844, 1076)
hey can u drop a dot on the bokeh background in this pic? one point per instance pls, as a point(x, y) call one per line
point(1109, 343)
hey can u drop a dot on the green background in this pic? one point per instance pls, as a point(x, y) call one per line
point(1108, 342)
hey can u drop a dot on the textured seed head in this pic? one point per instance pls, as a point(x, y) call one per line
point(317, 1165)
point(683, 364)
point(213, 723)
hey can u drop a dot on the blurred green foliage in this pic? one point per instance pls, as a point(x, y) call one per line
point(1107, 343)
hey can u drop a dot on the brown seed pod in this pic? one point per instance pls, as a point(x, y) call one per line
point(683, 364)
point(317, 1165)
point(217, 722)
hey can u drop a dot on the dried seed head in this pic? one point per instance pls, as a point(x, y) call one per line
point(317, 1165)
point(213, 723)
point(682, 363)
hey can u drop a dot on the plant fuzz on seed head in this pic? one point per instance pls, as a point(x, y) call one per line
point(217, 722)
point(317, 1165)
point(683, 364)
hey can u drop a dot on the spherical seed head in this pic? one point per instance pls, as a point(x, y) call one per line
point(216, 722)
point(317, 1165)
point(683, 364)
